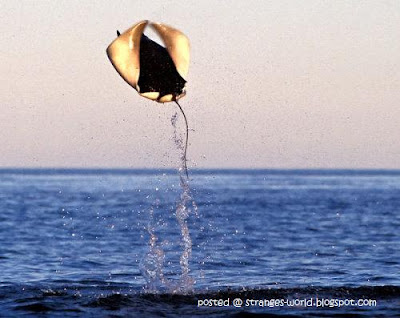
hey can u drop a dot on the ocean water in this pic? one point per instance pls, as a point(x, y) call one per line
point(263, 243)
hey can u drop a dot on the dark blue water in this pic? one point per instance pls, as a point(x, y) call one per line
point(76, 242)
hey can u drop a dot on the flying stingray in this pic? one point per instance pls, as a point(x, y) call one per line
point(155, 72)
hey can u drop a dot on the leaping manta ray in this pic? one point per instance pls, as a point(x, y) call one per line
point(155, 72)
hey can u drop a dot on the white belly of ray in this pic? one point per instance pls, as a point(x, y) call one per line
point(150, 95)
point(123, 53)
point(163, 99)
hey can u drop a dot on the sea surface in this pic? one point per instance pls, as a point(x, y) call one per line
point(234, 243)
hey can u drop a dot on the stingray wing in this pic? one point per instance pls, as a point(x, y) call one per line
point(124, 53)
point(177, 45)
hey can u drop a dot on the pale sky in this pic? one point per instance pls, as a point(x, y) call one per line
point(272, 84)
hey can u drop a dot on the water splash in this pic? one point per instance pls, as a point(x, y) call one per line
point(183, 208)
point(152, 265)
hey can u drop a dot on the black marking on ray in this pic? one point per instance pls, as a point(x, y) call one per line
point(157, 70)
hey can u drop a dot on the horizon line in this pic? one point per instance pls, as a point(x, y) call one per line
point(117, 170)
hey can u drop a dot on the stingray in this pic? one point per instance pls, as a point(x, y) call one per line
point(155, 72)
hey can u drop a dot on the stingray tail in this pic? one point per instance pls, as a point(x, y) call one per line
point(186, 142)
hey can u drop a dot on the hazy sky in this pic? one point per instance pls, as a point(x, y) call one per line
point(272, 84)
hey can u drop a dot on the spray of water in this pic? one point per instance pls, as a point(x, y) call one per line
point(184, 207)
point(153, 262)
